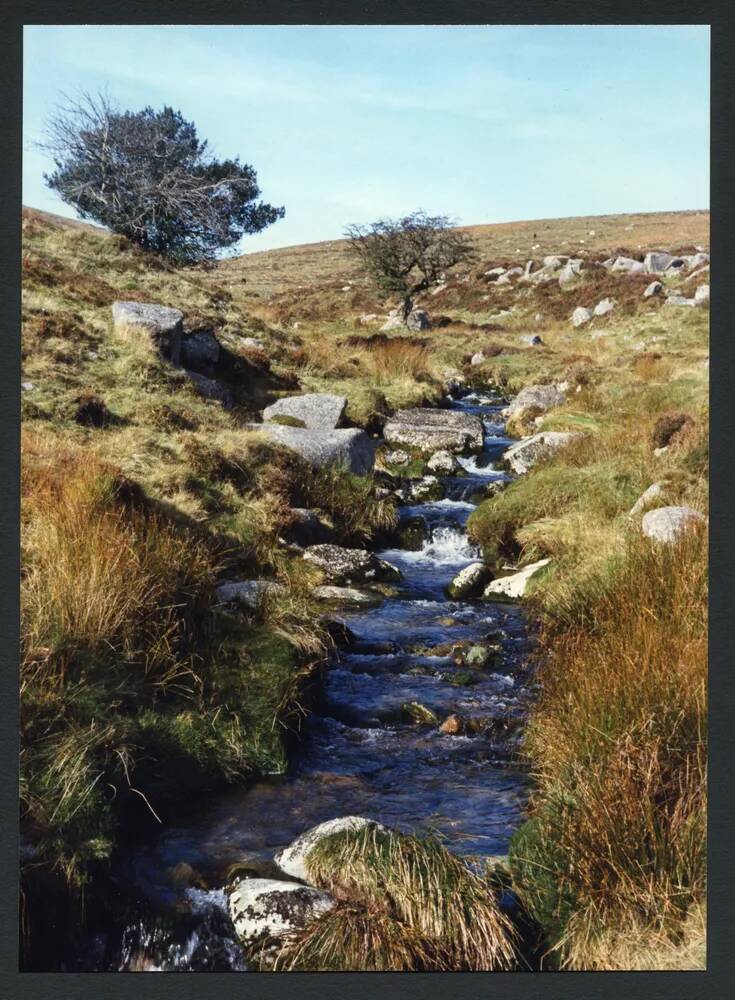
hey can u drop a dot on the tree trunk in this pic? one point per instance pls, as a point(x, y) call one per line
point(407, 307)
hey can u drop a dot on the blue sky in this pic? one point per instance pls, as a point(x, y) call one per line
point(347, 124)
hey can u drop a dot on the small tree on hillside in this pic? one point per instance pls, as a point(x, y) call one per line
point(406, 256)
point(147, 176)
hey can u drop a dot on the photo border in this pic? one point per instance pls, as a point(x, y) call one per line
point(719, 979)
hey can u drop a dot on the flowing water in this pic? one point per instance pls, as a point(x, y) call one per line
point(358, 753)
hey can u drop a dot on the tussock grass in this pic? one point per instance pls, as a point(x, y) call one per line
point(617, 832)
point(431, 909)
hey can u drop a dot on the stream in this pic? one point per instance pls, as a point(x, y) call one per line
point(358, 754)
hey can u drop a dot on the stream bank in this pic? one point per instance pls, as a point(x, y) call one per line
point(362, 750)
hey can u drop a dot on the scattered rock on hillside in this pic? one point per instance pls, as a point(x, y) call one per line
point(532, 340)
point(656, 262)
point(648, 496)
point(604, 307)
point(469, 581)
point(666, 524)
point(701, 296)
point(247, 593)
point(679, 300)
point(698, 259)
point(317, 410)
point(568, 274)
point(478, 358)
point(536, 397)
point(200, 350)
point(292, 859)
point(435, 430)
point(392, 323)
point(580, 316)
point(697, 274)
point(524, 454)
point(264, 908)
point(165, 325)
point(348, 448)
point(514, 586)
point(443, 463)
point(343, 565)
point(626, 265)
point(209, 388)
point(368, 318)
point(418, 319)
point(655, 288)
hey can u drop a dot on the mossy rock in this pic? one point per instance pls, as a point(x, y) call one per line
point(286, 420)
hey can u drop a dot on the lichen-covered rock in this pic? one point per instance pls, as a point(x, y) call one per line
point(247, 593)
point(536, 397)
point(469, 581)
point(269, 909)
point(163, 324)
point(701, 296)
point(513, 587)
point(580, 316)
point(292, 859)
point(343, 565)
point(435, 430)
point(525, 453)
point(349, 448)
point(425, 490)
point(396, 457)
point(347, 595)
point(666, 524)
point(443, 463)
point(317, 410)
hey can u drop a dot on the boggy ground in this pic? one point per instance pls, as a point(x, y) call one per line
point(139, 495)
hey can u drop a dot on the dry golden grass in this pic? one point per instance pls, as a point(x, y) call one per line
point(617, 835)
point(96, 572)
point(403, 904)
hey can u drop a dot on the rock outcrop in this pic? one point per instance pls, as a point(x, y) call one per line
point(264, 909)
point(343, 565)
point(163, 324)
point(435, 430)
point(524, 454)
point(247, 593)
point(513, 587)
point(292, 859)
point(469, 581)
point(536, 397)
point(666, 524)
point(349, 448)
point(319, 411)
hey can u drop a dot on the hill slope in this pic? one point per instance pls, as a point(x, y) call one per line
point(140, 495)
point(273, 271)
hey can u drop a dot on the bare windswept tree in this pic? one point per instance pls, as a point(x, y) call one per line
point(146, 175)
point(406, 256)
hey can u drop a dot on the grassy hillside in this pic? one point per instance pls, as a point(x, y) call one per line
point(272, 271)
point(139, 495)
